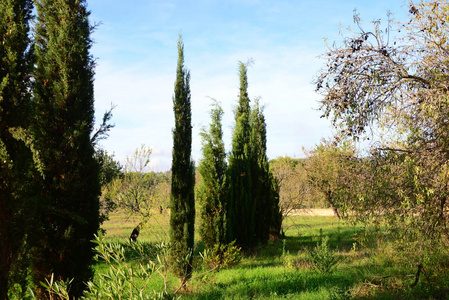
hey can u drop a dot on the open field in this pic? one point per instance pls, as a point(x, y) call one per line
point(328, 212)
point(368, 267)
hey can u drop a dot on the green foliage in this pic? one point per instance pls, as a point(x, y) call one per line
point(57, 289)
point(332, 168)
point(297, 261)
point(182, 198)
point(265, 276)
point(16, 201)
point(253, 190)
point(240, 222)
point(109, 171)
point(125, 278)
point(130, 269)
point(222, 256)
point(397, 86)
point(322, 257)
point(135, 190)
point(62, 127)
point(212, 187)
point(265, 186)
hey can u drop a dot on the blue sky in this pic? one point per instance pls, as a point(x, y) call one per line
point(136, 54)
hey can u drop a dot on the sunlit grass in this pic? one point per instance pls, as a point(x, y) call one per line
point(120, 225)
point(282, 270)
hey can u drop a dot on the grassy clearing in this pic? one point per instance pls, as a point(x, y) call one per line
point(120, 225)
point(368, 267)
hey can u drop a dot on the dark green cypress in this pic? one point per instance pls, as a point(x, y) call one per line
point(265, 187)
point(15, 157)
point(241, 219)
point(212, 189)
point(64, 100)
point(182, 198)
point(253, 208)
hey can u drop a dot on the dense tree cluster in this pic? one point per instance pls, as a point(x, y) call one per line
point(240, 201)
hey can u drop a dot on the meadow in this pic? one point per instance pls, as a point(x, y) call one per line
point(364, 264)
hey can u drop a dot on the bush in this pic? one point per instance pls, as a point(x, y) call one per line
point(322, 258)
point(222, 256)
point(129, 272)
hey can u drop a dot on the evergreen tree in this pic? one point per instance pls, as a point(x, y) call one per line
point(212, 190)
point(182, 198)
point(260, 186)
point(15, 158)
point(64, 103)
point(241, 220)
point(253, 208)
point(275, 213)
point(265, 187)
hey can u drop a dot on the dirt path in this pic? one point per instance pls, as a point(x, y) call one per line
point(313, 212)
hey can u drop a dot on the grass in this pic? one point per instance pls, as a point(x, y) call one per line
point(120, 225)
point(369, 266)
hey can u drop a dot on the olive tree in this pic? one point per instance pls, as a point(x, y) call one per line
point(134, 191)
point(331, 169)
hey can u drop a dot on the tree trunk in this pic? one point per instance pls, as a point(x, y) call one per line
point(334, 208)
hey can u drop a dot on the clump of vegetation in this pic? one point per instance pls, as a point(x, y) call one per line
point(292, 261)
point(322, 257)
point(222, 256)
point(129, 270)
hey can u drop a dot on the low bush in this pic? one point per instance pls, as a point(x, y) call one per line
point(322, 258)
point(222, 256)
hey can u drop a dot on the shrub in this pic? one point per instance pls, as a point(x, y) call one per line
point(222, 256)
point(129, 272)
point(322, 258)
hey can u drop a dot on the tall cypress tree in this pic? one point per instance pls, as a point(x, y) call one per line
point(64, 101)
point(182, 198)
point(265, 188)
point(253, 207)
point(15, 159)
point(241, 220)
point(260, 188)
point(212, 189)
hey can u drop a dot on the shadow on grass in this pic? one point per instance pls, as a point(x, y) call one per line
point(288, 283)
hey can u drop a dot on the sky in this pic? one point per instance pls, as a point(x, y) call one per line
point(135, 48)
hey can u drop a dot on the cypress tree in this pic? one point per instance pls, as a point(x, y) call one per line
point(212, 190)
point(64, 102)
point(15, 158)
point(253, 207)
point(241, 220)
point(182, 198)
point(265, 187)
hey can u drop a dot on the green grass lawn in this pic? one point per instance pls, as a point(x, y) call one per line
point(368, 266)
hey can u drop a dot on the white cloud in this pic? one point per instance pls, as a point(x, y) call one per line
point(136, 47)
